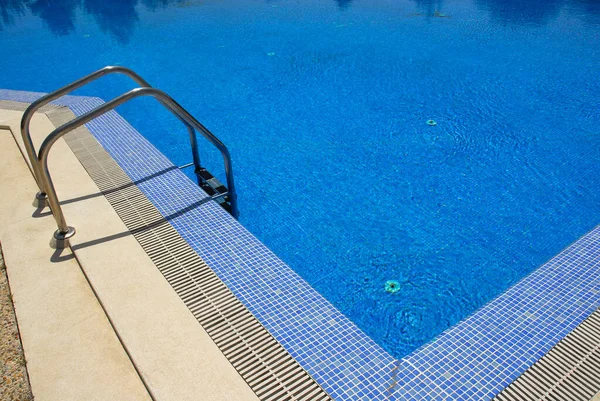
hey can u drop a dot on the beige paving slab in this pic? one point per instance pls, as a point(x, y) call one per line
point(174, 355)
point(71, 350)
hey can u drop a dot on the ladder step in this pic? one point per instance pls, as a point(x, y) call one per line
point(214, 188)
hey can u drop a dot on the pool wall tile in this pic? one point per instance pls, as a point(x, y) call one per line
point(473, 360)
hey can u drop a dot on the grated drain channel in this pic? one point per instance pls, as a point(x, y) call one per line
point(569, 371)
point(263, 363)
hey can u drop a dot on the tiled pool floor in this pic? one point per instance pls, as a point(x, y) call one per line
point(473, 360)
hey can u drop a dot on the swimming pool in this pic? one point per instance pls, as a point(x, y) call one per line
point(324, 106)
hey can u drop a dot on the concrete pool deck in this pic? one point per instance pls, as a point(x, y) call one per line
point(67, 339)
point(100, 322)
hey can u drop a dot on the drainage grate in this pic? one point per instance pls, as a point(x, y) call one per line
point(264, 364)
point(569, 371)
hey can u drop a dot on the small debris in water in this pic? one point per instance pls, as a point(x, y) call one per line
point(431, 122)
point(392, 286)
point(271, 54)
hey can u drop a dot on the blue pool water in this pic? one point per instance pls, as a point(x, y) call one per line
point(324, 106)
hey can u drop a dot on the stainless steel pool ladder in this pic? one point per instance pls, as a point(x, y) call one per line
point(39, 161)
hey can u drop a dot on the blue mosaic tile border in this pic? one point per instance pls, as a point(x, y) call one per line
point(474, 360)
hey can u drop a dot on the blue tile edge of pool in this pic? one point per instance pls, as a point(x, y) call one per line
point(473, 360)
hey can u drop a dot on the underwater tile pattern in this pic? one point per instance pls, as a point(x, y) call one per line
point(474, 360)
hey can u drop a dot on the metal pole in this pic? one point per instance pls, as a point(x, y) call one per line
point(44, 100)
point(195, 154)
point(64, 231)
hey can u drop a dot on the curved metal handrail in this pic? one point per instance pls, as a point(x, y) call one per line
point(44, 100)
point(64, 231)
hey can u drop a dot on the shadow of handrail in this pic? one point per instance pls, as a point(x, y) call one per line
point(39, 213)
point(144, 228)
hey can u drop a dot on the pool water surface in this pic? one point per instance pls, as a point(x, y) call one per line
point(326, 108)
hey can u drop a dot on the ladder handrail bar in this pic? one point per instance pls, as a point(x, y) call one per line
point(169, 103)
point(44, 100)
